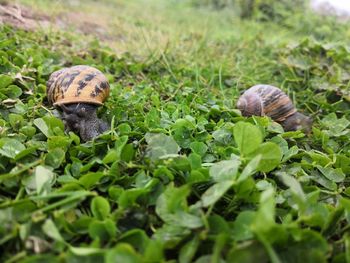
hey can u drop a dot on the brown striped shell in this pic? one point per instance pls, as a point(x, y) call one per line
point(77, 84)
point(266, 100)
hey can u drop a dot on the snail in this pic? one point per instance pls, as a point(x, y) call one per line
point(77, 92)
point(267, 100)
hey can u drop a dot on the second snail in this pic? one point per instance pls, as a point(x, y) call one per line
point(267, 100)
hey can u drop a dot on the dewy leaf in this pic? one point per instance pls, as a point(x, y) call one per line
point(271, 156)
point(199, 148)
point(223, 136)
point(250, 168)
point(171, 235)
point(336, 126)
point(188, 251)
point(40, 181)
point(172, 208)
point(265, 216)
point(51, 230)
point(160, 145)
point(42, 126)
point(293, 184)
point(241, 227)
point(215, 192)
point(55, 157)
point(225, 170)
point(247, 137)
point(43, 179)
point(335, 175)
point(100, 207)
point(10, 147)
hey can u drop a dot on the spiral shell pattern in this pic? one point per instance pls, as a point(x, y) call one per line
point(77, 84)
point(266, 100)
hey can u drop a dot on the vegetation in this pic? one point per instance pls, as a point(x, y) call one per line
point(181, 175)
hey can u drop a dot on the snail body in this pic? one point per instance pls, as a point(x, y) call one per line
point(267, 100)
point(77, 92)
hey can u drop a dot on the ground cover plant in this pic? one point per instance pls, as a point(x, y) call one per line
point(181, 176)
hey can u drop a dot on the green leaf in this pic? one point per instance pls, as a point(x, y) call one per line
point(111, 156)
point(188, 250)
point(265, 216)
point(100, 207)
point(199, 148)
point(16, 120)
point(137, 238)
point(55, 158)
point(85, 251)
point(215, 192)
point(336, 126)
point(171, 235)
point(294, 186)
point(225, 170)
point(25, 152)
point(124, 129)
point(41, 181)
point(195, 160)
point(247, 137)
point(10, 147)
point(347, 246)
point(242, 226)
point(160, 146)
point(122, 253)
point(271, 156)
point(154, 251)
point(306, 246)
point(13, 91)
point(62, 142)
point(127, 153)
point(335, 175)
point(5, 80)
point(172, 208)
point(129, 197)
point(51, 230)
point(42, 126)
point(102, 230)
point(249, 253)
point(250, 168)
point(28, 131)
point(91, 179)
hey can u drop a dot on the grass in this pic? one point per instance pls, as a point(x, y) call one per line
point(181, 176)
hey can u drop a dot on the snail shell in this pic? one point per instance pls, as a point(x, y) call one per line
point(77, 92)
point(266, 100)
point(77, 84)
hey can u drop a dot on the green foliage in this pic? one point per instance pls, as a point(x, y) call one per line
point(181, 175)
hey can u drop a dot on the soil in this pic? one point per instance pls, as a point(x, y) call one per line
point(23, 17)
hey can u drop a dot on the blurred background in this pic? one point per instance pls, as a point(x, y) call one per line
point(147, 27)
point(241, 41)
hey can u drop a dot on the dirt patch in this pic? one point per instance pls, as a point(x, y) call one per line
point(22, 17)
point(84, 23)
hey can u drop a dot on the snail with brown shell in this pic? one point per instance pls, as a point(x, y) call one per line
point(266, 100)
point(78, 91)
